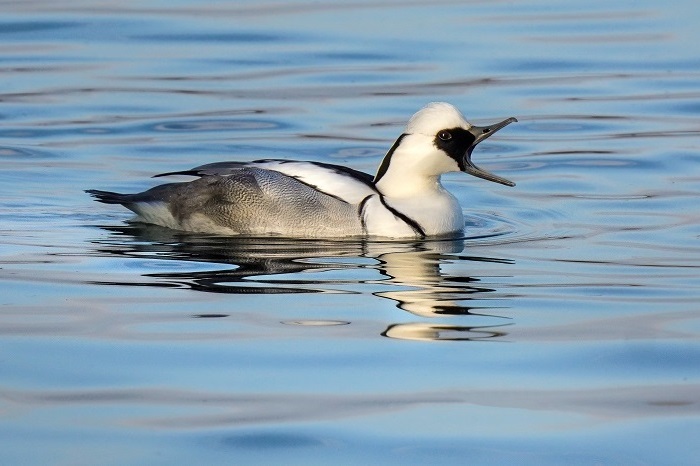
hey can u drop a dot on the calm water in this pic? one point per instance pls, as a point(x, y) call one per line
point(565, 326)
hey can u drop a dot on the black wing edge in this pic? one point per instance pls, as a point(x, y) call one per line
point(210, 169)
point(192, 172)
point(225, 168)
point(366, 178)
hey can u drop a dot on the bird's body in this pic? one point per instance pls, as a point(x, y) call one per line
point(317, 200)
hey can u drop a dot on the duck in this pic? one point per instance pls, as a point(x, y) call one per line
point(405, 199)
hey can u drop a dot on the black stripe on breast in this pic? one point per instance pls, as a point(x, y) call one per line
point(386, 161)
point(361, 212)
point(408, 220)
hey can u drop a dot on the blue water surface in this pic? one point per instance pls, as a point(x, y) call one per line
point(564, 327)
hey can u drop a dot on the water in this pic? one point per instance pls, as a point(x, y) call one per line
point(564, 327)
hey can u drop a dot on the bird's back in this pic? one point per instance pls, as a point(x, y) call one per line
point(245, 200)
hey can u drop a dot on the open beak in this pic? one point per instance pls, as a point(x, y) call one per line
point(480, 133)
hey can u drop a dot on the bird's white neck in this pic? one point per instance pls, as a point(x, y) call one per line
point(402, 184)
point(413, 169)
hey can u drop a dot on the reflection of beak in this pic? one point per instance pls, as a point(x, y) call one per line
point(480, 133)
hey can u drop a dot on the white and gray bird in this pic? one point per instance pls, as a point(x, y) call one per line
point(405, 199)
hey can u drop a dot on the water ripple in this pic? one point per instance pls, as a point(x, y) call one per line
point(566, 315)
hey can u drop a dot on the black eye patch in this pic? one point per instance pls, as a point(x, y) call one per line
point(455, 142)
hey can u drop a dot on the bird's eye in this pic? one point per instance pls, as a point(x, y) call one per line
point(445, 135)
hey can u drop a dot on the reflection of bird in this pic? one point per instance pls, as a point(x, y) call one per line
point(406, 272)
point(420, 286)
point(311, 199)
point(429, 332)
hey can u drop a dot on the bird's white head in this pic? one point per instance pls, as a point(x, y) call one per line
point(434, 117)
point(437, 140)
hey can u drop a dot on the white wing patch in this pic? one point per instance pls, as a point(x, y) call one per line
point(324, 178)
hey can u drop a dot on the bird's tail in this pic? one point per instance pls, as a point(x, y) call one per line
point(109, 197)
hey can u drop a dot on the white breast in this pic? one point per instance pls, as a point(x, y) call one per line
point(437, 214)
